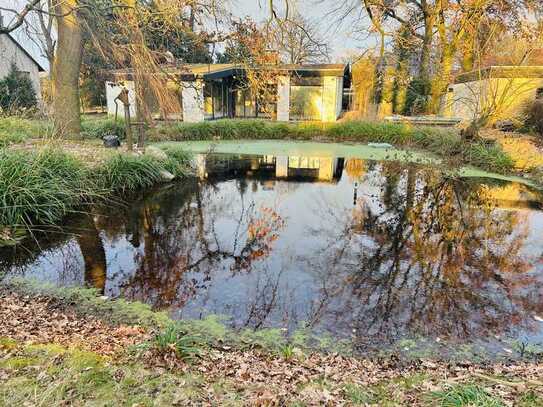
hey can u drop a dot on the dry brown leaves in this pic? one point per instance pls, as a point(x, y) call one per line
point(42, 320)
point(258, 377)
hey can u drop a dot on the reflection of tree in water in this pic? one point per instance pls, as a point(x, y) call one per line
point(180, 242)
point(440, 259)
point(60, 250)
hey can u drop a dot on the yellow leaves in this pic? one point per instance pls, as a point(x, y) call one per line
point(523, 151)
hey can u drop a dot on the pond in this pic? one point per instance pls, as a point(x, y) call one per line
point(365, 250)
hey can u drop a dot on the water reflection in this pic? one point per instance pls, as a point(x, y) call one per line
point(277, 241)
point(434, 256)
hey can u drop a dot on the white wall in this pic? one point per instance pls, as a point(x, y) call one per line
point(330, 98)
point(193, 101)
point(10, 53)
point(504, 98)
point(113, 89)
point(339, 96)
point(283, 98)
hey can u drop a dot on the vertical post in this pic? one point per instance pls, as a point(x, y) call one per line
point(244, 104)
point(283, 98)
point(128, 127)
point(141, 135)
point(193, 101)
point(212, 85)
point(123, 97)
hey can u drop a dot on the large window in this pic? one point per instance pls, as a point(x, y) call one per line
point(215, 99)
point(264, 106)
point(306, 98)
point(245, 103)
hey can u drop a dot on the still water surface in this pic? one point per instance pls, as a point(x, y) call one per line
point(366, 250)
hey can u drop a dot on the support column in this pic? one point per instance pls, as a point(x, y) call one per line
point(329, 99)
point(283, 98)
point(193, 101)
point(281, 166)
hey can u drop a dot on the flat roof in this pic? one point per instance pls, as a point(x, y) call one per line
point(218, 71)
point(505, 71)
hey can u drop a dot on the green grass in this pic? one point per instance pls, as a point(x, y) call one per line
point(16, 130)
point(465, 395)
point(187, 347)
point(39, 188)
point(125, 173)
point(441, 142)
point(87, 302)
point(52, 376)
point(357, 394)
point(444, 143)
point(92, 128)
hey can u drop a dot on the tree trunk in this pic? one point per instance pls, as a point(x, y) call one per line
point(94, 254)
point(468, 53)
point(441, 81)
point(66, 68)
point(426, 51)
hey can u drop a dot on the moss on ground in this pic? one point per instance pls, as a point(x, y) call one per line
point(225, 370)
point(52, 375)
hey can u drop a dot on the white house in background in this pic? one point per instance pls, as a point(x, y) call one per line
point(12, 52)
point(214, 91)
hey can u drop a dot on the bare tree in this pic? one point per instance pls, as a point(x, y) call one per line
point(40, 29)
point(299, 41)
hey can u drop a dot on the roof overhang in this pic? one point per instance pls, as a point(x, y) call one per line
point(504, 72)
point(219, 71)
point(40, 68)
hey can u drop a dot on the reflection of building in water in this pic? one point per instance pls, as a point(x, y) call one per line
point(327, 169)
point(316, 168)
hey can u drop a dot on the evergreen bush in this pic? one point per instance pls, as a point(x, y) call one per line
point(17, 92)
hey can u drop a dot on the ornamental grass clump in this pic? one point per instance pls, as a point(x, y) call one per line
point(39, 188)
point(129, 173)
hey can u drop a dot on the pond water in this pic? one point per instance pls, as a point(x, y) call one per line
point(372, 251)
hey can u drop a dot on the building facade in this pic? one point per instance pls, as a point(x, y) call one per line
point(501, 92)
point(215, 91)
point(11, 52)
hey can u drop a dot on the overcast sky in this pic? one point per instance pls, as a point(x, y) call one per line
point(341, 39)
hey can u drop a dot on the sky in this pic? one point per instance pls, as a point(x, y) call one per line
point(340, 37)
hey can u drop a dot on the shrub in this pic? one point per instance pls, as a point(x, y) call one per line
point(416, 100)
point(534, 116)
point(17, 91)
